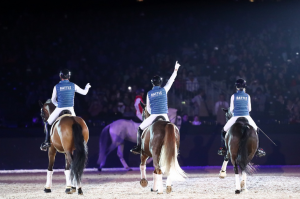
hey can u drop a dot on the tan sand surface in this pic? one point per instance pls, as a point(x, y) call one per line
point(271, 182)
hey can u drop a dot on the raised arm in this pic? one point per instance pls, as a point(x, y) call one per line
point(81, 91)
point(172, 78)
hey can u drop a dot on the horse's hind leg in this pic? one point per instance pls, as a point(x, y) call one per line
point(243, 182)
point(143, 181)
point(69, 187)
point(103, 155)
point(120, 155)
point(224, 166)
point(51, 156)
point(169, 184)
point(237, 178)
point(157, 175)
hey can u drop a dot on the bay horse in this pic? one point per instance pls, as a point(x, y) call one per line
point(69, 135)
point(241, 142)
point(119, 131)
point(161, 142)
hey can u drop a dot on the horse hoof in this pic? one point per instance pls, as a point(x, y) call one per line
point(68, 191)
point(80, 191)
point(47, 190)
point(222, 174)
point(153, 190)
point(237, 191)
point(242, 184)
point(100, 169)
point(169, 189)
point(73, 189)
point(144, 182)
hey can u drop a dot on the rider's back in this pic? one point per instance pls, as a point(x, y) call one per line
point(158, 100)
point(241, 101)
point(65, 94)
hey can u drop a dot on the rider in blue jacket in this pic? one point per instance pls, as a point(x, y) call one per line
point(157, 104)
point(240, 106)
point(63, 98)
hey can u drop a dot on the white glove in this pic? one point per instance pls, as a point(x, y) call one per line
point(88, 86)
point(177, 65)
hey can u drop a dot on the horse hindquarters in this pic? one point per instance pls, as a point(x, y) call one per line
point(244, 158)
point(80, 153)
point(168, 157)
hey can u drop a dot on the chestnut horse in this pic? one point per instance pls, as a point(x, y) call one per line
point(161, 142)
point(69, 135)
point(241, 143)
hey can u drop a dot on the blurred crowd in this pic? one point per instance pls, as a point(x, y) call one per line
point(118, 52)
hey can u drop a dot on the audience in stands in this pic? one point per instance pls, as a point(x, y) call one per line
point(122, 52)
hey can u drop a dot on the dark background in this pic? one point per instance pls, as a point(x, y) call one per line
point(116, 44)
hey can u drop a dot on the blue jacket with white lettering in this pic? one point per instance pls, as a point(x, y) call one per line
point(241, 100)
point(65, 94)
point(158, 100)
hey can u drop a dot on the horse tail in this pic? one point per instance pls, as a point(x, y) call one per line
point(103, 141)
point(243, 159)
point(80, 154)
point(168, 155)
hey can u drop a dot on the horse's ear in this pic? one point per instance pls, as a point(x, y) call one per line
point(225, 110)
point(41, 104)
point(142, 105)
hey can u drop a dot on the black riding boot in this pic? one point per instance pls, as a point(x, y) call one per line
point(260, 151)
point(137, 148)
point(222, 151)
point(45, 145)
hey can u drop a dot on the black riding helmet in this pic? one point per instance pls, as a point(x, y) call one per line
point(65, 74)
point(240, 83)
point(156, 80)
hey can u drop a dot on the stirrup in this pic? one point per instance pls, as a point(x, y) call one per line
point(45, 146)
point(260, 153)
point(136, 150)
point(222, 151)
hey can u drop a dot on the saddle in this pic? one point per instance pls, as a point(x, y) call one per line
point(63, 113)
point(158, 118)
point(242, 120)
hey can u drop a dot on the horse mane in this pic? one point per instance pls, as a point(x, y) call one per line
point(49, 101)
point(146, 113)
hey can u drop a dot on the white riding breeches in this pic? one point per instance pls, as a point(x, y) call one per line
point(232, 120)
point(150, 119)
point(54, 115)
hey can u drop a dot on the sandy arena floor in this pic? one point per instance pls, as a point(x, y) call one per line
point(203, 182)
